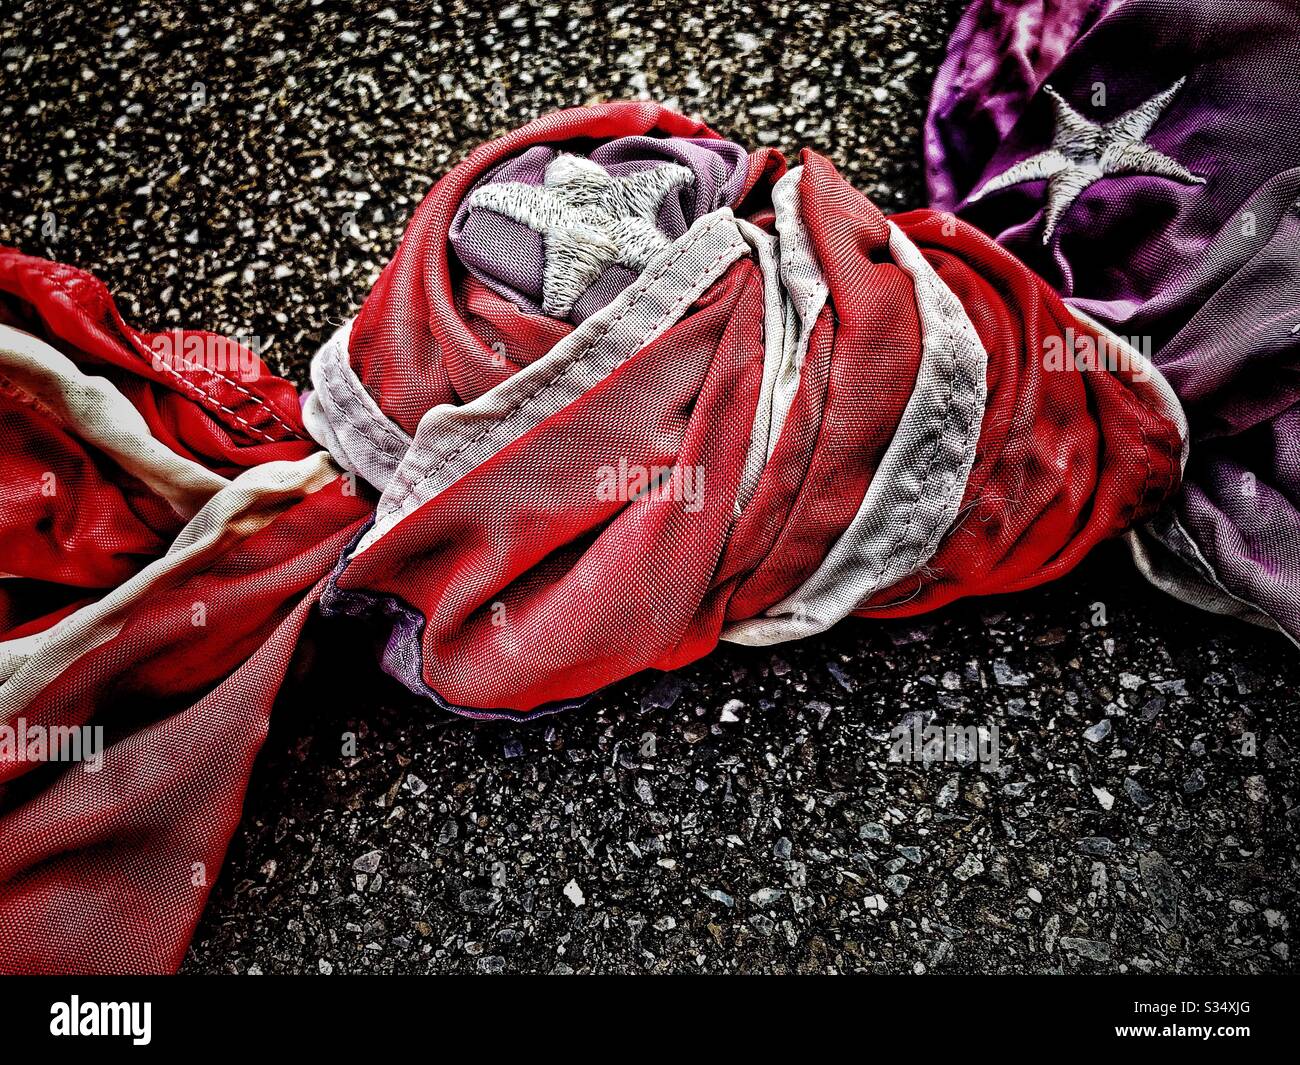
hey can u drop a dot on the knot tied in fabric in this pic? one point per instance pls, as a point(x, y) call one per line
point(625, 390)
point(658, 399)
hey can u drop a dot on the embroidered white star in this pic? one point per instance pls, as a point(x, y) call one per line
point(589, 219)
point(1084, 152)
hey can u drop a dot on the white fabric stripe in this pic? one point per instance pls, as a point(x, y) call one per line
point(915, 495)
point(13, 653)
point(794, 291)
point(775, 320)
point(451, 441)
point(805, 285)
point(345, 419)
point(94, 410)
point(248, 503)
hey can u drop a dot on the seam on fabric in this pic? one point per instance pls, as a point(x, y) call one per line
point(204, 395)
point(69, 287)
point(275, 418)
point(856, 565)
point(377, 433)
point(356, 429)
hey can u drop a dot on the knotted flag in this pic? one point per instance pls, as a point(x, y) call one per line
point(624, 390)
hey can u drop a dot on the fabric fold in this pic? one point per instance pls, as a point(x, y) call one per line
point(1133, 154)
point(624, 390)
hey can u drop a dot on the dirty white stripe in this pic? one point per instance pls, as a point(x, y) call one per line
point(92, 409)
point(915, 495)
point(250, 502)
point(794, 292)
point(345, 419)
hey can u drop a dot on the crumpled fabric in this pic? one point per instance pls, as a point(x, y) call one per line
point(1207, 273)
point(505, 255)
point(789, 409)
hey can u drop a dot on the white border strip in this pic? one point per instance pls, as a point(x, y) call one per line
point(915, 495)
